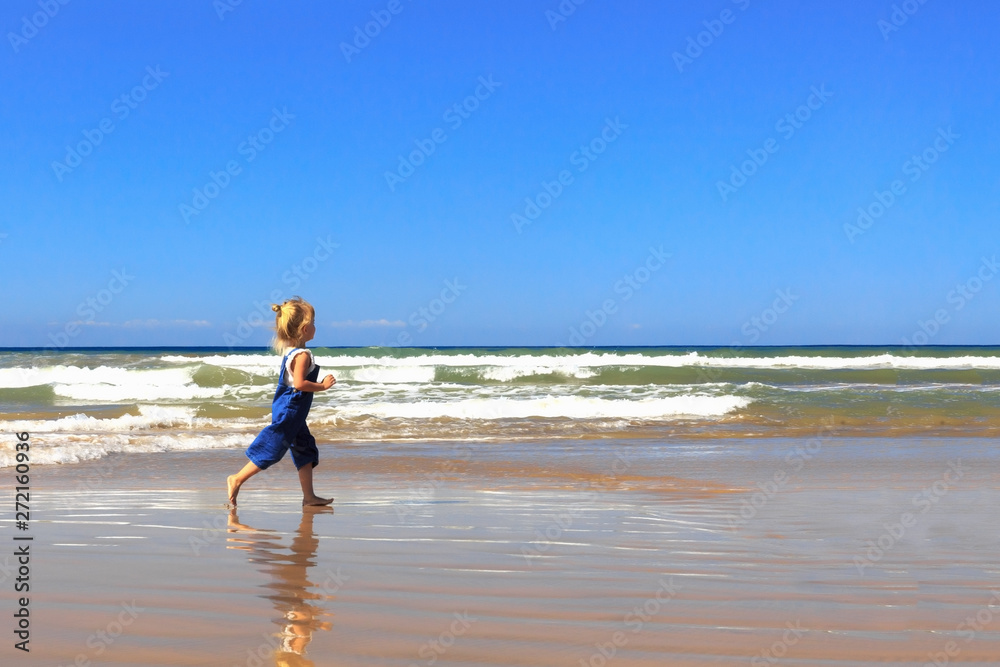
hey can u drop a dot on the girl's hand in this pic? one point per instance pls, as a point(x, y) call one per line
point(328, 381)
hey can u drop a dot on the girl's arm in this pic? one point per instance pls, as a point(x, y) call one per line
point(299, 381)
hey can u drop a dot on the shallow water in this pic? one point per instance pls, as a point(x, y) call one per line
point(690, 550)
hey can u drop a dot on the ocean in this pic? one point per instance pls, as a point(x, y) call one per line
point(83, 404)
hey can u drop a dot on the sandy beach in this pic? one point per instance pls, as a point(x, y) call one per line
point(791, 552)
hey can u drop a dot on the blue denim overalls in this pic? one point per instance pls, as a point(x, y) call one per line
point(288, 429)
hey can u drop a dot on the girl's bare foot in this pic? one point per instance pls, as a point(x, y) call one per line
point(234, 489)
point(316, 500)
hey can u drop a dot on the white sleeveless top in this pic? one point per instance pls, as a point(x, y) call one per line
point(288, 364)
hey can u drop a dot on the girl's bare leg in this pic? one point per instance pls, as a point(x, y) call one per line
point(234, 482)
point(309, 496)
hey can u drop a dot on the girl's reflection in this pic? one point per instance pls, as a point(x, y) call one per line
point(292, 593)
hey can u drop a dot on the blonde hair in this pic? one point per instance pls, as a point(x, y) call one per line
point(291, 318)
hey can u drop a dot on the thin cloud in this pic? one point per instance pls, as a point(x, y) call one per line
point(87, 323)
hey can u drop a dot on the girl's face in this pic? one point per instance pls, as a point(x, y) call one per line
point(308, 331)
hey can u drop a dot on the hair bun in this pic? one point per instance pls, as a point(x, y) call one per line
point(275, 307)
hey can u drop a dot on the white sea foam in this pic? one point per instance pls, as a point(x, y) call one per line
point(879, 361)
point(13, 378)
point(502, 367)
point(151, 392)
point(259, 364)
point(387, 374)
point(575, 407)
point(508, 373)
point(63, 448)
point(480, 392)
point(111, 384)
point(150, 416)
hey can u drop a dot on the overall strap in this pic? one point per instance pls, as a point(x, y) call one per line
point(284, 360)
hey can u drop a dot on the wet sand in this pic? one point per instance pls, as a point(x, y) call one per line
point(785, 552)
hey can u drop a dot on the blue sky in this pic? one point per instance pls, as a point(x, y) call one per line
point(619, 100)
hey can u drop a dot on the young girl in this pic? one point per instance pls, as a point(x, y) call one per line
point(290, 407)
